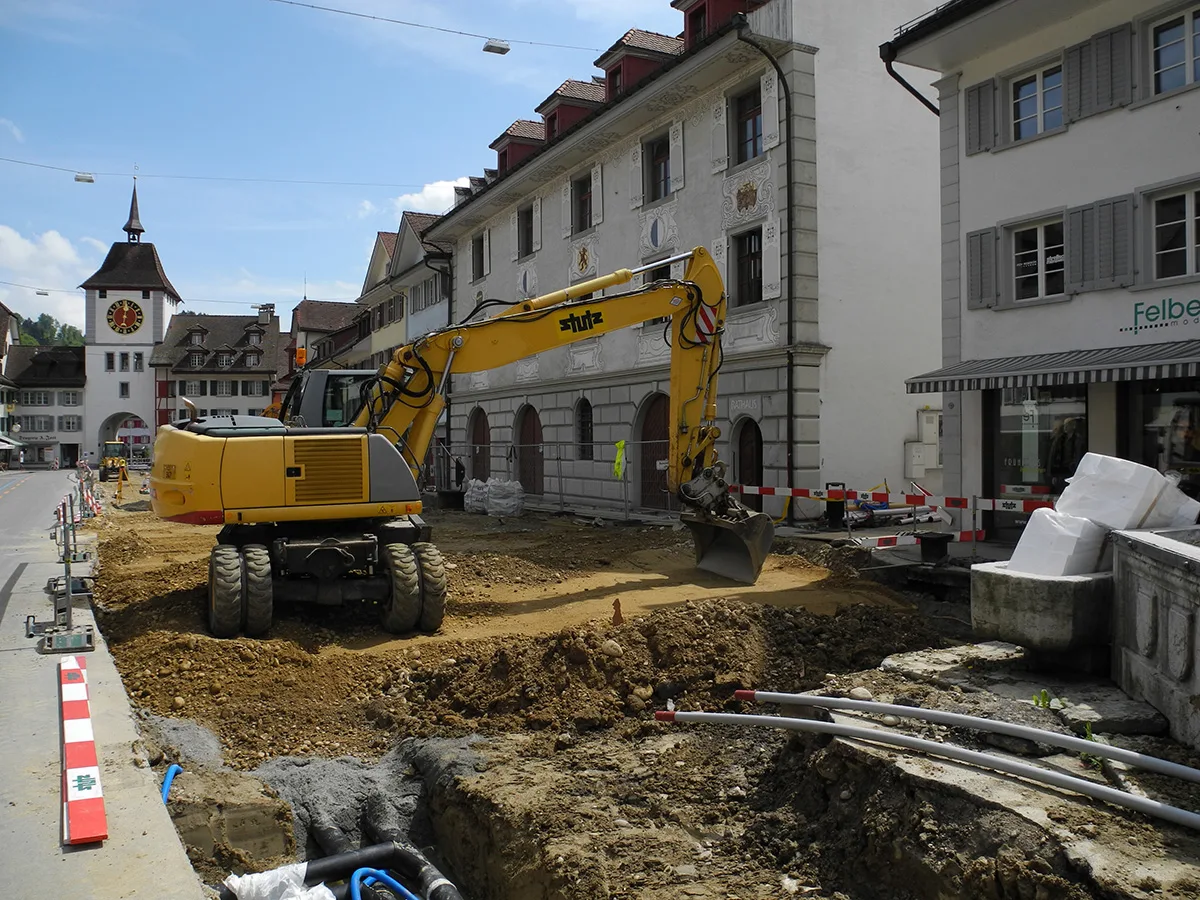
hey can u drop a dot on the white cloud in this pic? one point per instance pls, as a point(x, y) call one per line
point(47, 261)
point(436, 197)
point(366, 208)
point(12, 127)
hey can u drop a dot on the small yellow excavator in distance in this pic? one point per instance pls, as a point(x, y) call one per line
point(332, 514)
point(114, 461)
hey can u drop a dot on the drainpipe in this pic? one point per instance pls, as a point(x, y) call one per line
point(742, 24)
point(888, 54)
point(448, 259)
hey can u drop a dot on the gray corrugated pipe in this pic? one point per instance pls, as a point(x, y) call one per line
point(1066, 741)
point(950, 751)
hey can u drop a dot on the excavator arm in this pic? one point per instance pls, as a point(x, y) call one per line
point(406, 398)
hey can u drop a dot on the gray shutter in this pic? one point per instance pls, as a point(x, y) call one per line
point(1114, 242)
point(246, 388)
point(1111, 51)
point(1079, 225)
point(637, 192)
point(981, 117)
point(720, 138)
point(676, 139)
point(233, 386)
point(537, 228)
point(212, 388)
point(513, 233)
point(981, 269)
point(1079, 77)
point(266, 389)
point(772, 282)
point(597, 193)
point(203, 388)
point(487, 251)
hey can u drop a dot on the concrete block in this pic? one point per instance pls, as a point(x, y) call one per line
point(1063, 618)
point(807, 378)
point(620, 394)
point(806, 456)
point(731, 383)
point(807, 431)
point(807, 404)
point(599, 396)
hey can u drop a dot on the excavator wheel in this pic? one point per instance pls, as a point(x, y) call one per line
point(260, 592)
point(225, 588)
point(433, 586)
point(404, 607)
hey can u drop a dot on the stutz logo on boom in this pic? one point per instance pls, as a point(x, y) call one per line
point(584, 321)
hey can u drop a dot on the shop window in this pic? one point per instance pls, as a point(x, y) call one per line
point(1166, 417)
point(1039, 435)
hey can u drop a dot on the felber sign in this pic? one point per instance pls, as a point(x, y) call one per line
point(1166, 313)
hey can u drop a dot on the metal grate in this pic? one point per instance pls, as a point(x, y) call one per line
point(333, 470)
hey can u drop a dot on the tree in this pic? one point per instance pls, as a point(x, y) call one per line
point(47, 331)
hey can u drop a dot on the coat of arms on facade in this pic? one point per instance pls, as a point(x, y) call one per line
point(747, 196)
point(581, 259)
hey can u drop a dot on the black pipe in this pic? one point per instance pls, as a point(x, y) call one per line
point(742, 24)
point(887, 53)
point(404, 859)
point(431, 883)
point(328, 836)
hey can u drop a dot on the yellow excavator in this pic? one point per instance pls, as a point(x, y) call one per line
point(114, 462)
point(332, 513)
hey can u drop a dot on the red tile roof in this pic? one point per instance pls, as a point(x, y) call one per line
point(652, 41)
point(523, 130)
point(323, 315)
point(389, 241)
point(588, 91)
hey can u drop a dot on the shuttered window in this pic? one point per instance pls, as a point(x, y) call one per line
point(1175, 51)
point(981, 269)
point(1176, 234)
point(1038, 261)
point(1036, 102)
point(1099, 73)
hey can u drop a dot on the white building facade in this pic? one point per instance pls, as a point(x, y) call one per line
point(815, 191)
point(1071, 238)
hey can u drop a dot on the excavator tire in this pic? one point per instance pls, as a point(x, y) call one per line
point(225, 588)
point(260, 593)
point(404, 608)
point(433, 586)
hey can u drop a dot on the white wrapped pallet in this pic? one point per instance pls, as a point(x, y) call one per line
point(1057, 544)
point(1115, 493)
point(1174, 509)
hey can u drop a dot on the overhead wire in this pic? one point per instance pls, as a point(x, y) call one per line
point(242, 180)
point(184, 300)
point(360, 15)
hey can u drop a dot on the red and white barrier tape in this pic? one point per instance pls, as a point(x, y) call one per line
point(897, 500)
point(84, 818)
point(904, 540)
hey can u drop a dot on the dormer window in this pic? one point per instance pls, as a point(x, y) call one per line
point(552, 126)
point(255, 338)
point(698, 24)
point(196, 360)
point(502, 163)
point(224, 360)
point(196, 338)
point(615, 85)
point(253, 359)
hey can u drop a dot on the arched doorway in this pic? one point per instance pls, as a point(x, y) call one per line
point(529, 450)
point(131, 430)
point(481, 445)
point(750, 460)
point(653, 440)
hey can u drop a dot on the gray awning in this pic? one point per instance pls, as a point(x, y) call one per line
point(1149, 361)
point(8, 443)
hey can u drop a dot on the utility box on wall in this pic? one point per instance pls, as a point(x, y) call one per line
point(923, 457)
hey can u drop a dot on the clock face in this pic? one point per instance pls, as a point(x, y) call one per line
point(125, 317)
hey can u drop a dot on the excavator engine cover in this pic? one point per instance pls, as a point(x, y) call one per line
point(734, 548)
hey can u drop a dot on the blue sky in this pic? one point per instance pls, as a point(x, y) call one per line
point(261, 90)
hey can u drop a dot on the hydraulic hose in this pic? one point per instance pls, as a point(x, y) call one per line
point(1067, 742)
point(173, 770)
point(950, 751)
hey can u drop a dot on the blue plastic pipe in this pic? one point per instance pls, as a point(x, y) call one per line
point(174, 770)
point(383, 878)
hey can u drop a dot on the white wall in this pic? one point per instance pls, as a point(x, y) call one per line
point(878, 215)
point(1105, 155)
point(102, 398)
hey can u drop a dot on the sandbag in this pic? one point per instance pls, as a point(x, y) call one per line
point(505, 498)
point(475, 496)
point(1055, 544)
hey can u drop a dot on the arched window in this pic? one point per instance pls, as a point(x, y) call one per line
point(584, 435)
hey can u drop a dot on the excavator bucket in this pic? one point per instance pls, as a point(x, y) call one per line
point(732, 548)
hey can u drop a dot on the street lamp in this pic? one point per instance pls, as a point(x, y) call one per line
point(494, 45)
point(85, 178)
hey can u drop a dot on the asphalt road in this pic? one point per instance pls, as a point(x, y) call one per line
point(142, 857)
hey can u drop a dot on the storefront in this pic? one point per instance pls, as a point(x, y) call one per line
point(1027, 421)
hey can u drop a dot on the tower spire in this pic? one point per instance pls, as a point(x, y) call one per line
point(133, 227)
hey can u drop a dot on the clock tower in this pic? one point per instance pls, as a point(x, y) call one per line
point(125, 316)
